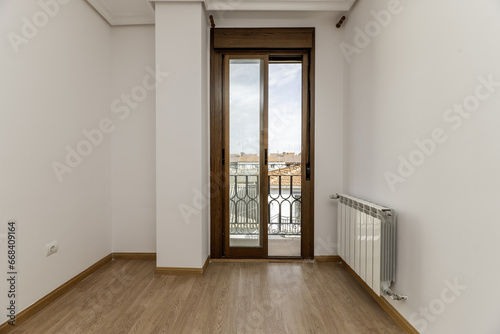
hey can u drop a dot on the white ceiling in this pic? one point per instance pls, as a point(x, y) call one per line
point(125, 12)
point(130, 12)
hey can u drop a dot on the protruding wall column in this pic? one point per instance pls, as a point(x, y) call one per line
point(181, 136)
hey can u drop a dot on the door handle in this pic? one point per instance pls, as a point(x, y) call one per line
point(265, 157)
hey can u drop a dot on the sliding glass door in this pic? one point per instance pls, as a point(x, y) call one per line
point(284, 167)
point(264, 114)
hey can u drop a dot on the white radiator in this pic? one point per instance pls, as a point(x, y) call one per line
point(367, 242)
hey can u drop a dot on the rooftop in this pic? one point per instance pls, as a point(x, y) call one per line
point(285, 173)
point(285, 158)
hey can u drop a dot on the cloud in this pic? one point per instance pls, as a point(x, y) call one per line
point(283, 74)
point(285, 107)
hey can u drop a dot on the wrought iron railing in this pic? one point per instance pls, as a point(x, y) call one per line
point(244, 204)
point(284, 201)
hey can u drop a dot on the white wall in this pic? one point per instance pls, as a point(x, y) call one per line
point(328, 109)
point(205, 134)
point(133, 199)
point(427, 59)
point(181, 135)
point(56, 86)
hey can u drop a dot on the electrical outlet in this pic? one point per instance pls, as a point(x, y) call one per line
point(51, 248)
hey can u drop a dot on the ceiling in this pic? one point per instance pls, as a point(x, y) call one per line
point(131, 12)
point(125, 12)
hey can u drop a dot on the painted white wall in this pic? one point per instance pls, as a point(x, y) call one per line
point(56, 86)
point(399, 87)
point(328, 108)
point(181, 135)
point(133, 195)
point(205, 135)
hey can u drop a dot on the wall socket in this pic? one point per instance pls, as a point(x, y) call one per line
point(51, 248)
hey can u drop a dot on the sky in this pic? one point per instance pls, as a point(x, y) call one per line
point(285, 100)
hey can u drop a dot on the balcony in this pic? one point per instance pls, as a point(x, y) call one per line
point(284, 200)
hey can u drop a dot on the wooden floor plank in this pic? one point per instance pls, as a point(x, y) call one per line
point(282, 298)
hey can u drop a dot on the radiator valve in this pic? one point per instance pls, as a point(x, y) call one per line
point(395, 296)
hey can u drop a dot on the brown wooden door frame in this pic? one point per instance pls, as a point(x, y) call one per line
point(258, 42)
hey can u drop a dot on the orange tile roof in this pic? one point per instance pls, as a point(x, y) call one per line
point(285, 173)
point(249, 158)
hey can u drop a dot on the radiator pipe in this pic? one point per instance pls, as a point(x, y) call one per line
point(394, 296)
point(388, 212)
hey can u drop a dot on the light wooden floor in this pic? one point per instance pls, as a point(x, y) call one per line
point(126, 297)
point(278, 245)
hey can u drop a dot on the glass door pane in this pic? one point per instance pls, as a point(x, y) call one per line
point(285, 158)
point(245, 112)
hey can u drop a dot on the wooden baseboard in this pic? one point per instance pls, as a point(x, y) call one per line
point(386, 306)
point(134, 256)
point(259, 260)
point(182, 271)
point(40, 304)
point(327, 258)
